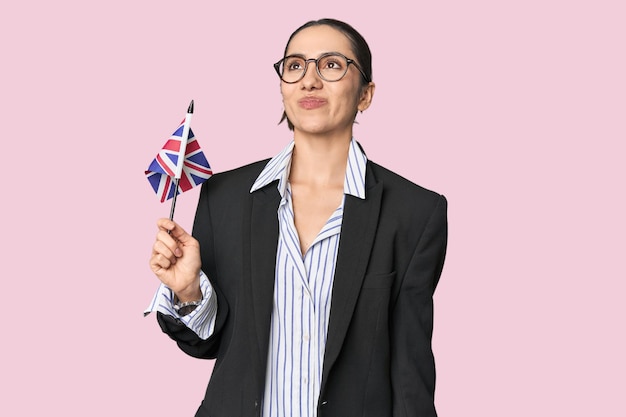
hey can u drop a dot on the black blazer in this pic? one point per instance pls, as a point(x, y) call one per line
point(378, 360)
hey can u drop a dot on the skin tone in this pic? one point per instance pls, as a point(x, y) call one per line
point(322, 114)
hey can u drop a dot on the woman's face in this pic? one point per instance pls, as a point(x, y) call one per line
point(315, 106)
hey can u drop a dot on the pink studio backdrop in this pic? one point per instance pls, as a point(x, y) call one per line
point(514, 110)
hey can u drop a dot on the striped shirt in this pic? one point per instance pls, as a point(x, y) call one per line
point(302, 295)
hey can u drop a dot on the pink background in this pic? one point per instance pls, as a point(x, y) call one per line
point(514, 110)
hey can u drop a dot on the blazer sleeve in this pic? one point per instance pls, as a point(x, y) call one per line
point(412, 361)
point(188, 341)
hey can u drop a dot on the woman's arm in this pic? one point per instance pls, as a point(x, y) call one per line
point(412, 362)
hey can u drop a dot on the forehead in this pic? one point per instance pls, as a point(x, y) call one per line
point(315, 40)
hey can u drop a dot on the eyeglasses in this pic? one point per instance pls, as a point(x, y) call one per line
point(331, 67)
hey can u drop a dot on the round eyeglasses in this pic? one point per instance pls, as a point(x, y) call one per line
point(331, 67)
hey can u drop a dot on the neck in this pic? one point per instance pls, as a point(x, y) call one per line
point(319, 160)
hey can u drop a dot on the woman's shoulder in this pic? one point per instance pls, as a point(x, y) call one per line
point(245, 170)
point(236, 179)
point(404, 201)
point(242, 173)
point(393, 182)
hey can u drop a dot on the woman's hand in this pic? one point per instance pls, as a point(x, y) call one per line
point(176, 260)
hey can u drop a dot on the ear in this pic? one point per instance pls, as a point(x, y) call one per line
point(367, 94)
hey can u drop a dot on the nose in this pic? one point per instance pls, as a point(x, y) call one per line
point(311, 78)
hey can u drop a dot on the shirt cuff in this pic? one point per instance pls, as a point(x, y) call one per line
point(201, 320)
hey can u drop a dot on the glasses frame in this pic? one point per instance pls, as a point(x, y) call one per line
point(317, 69)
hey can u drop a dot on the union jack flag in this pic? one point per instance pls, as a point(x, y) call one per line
point(162, 170)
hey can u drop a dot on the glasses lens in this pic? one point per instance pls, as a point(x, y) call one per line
point(332, 67)
point(292, 68)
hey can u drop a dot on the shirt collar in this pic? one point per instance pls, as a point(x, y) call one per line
point(277, 169)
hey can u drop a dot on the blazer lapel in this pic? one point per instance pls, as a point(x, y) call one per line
point(260, 242)
point(358, 230)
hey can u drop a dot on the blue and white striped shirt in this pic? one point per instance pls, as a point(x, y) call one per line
point(302, 295)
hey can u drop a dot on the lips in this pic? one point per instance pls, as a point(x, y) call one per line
point(310, 103)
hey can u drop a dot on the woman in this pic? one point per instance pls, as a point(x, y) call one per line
point(309, 276)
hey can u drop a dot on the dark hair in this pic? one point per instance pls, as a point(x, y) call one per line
point(359, 46)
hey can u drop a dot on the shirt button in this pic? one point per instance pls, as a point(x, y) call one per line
point(306, 338)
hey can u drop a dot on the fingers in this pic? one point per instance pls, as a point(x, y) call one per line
point(159, 264)
point(166, 250)
point(166, 224)
point(167, 244)
point(174, 247)
point(177, 232)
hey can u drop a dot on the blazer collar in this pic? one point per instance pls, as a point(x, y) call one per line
point(278, 168)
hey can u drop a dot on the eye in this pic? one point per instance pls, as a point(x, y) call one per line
point(294, 64)
point(332, 63)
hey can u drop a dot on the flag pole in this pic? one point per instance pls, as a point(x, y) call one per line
point(173, 206)
point(181, 156)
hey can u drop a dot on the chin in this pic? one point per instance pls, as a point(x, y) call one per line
point(311, 127)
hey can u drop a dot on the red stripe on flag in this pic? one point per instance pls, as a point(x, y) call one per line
point(166, 188)
point(192, 146)
point(198, 168)
point(164, 166)
point(172, 145)
point(184, 183)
